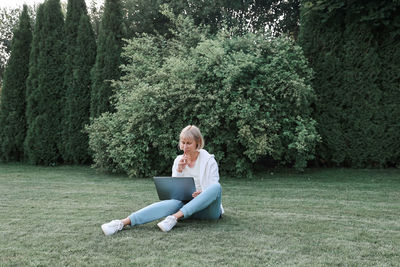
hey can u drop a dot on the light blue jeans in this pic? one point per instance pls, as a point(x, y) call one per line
point(207, 205)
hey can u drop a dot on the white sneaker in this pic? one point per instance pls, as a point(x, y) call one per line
point(167, 224)
point(112, 227)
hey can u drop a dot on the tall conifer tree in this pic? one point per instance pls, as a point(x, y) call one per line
point(44, 133)
point(75, 10)
point(356, 57)
point(32, 83)
point(12, 110)
point(78, 94)
point(108, 57)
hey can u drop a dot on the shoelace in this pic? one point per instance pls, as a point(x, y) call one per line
point(171, 220)
point(117, 224)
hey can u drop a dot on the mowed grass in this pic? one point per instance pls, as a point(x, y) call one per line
point(52, 217)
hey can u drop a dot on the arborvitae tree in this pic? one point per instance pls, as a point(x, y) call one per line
point(75, 9)
point(354, 49)
point(9, 18)
point(32, 107)
point(12, 110)
point(44, 133)
point(95, 12)
point(78, 94)
point(108, 56)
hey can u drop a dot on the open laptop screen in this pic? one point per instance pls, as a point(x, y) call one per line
point(180, 188)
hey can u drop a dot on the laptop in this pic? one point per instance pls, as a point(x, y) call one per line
point(180, 188)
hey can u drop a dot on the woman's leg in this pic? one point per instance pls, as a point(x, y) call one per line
point(154, 212)
point(150, 213)
point(207, 205)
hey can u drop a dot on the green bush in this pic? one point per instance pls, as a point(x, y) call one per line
point(250, 96)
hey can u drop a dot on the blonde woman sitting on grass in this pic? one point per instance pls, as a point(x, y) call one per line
point(206, 203)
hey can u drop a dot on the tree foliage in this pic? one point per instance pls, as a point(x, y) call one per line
point(12, 105)
point(95, 11)
point(354, 48)
point(8, 21)
point(76, 99)
point(144, 16)
point(45, 90)
point(108, 57)
point(249, 94)
point(78, 94)
point(32, 94)
point(75, 9)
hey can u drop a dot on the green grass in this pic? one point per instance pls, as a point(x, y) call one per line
point(52, 216)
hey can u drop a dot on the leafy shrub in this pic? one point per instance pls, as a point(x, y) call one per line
point(250, 96)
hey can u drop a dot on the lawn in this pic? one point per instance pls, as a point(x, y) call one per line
point(52, 216)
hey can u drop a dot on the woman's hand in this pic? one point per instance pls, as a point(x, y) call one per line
point(195, 194)
point(182, 163)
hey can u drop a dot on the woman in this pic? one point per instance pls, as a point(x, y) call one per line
point(206, 203)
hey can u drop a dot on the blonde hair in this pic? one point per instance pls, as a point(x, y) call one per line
point(193, 133)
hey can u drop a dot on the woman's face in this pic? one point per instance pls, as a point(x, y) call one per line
point(188, 145)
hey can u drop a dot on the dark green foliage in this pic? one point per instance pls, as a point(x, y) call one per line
point(43, 140)
point(74, 12)
point(108, 58)
point(354, 48)
point(32, 94)
point(77, 104)
point(75, 9)
point(249, 95)
point(144, 16)
point(80, 56)
point(95, 13)
point(256, 15)
point(12, 105)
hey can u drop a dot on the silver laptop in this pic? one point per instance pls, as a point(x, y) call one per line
point(180, 188)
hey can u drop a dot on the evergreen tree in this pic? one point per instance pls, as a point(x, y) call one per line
point(9, 18)
point(108, 59)
point(12, 109)
point(44, 133)
point(75, 9)
point(78, 94)
point(32, 83)
point(354, 49)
